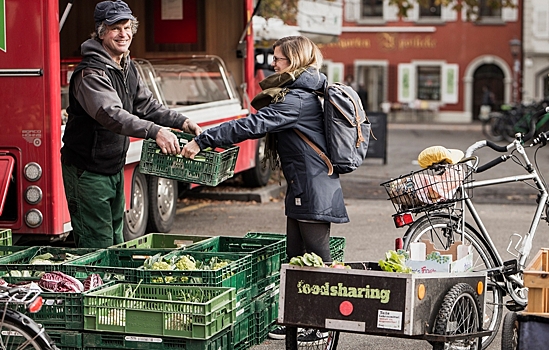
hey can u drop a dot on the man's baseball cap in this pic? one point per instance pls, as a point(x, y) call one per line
point(111, 12)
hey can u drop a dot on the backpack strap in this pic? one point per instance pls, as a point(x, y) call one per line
point(318, 151)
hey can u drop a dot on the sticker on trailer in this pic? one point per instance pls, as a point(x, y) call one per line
point(389, 319)
point(142, 339)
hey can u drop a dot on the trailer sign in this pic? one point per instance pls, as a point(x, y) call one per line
point(3, 25)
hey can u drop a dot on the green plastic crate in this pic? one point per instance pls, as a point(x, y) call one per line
point(66, 340)
point(243, 327)
point(266, 253)
point(214, 166)
point(265, 285)
point(265, 315)
point(161, 240)
point(20, 261)
point(114, 341)
point(153, 309)
point(337, 244)
point(237, 274)
point(60, 311)
point(113, 264)
point(5, 237)
point(10, 249)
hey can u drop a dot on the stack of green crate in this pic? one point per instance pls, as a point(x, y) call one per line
point(255, 318)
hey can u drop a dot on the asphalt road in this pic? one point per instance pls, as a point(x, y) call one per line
point(371, 232)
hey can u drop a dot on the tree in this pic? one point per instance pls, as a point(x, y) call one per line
point(286, 10)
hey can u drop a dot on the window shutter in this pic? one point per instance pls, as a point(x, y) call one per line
point(406, 82)
point(510, 14)
point(390, 12)
point(540, 19)
point(448, 14)
point(450, 86)
point(352, 10)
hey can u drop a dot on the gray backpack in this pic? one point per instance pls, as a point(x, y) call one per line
point(347, 129)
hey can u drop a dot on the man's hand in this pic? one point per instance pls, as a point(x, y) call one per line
point(191, 127)
point(190, 150)
point(167, 141)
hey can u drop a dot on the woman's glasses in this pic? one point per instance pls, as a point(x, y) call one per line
point(276, 59)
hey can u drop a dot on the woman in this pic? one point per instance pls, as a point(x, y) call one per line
point(313, 199)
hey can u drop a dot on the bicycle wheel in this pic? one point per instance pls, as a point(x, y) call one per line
point(20, 332)
point(459, 314)
point(328, 343)
point(509, 332)
point(442, 231)
point(493, 127)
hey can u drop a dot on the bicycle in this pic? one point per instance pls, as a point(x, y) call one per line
point(446, 222)
point(18, 331)
point(504, 124)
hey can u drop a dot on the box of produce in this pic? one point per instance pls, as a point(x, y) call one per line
point(194, 312)
point(34, 261)
point(199, 268)
point(112, 264)
point(209, 167)
point(161, 240)
point(62, 307)
point(266, 253)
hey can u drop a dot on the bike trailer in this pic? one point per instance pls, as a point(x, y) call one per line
point(365, 299)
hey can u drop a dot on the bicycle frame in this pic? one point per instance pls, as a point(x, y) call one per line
point(525, 242)
point(526, 246)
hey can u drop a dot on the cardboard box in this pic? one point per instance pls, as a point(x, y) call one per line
point(448, 261)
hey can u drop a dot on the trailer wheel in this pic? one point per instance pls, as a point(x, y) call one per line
point(259, 175)
point(162, 204)
point(459, 314)
point(135, 219)
point(329, 343)
point(509, 332)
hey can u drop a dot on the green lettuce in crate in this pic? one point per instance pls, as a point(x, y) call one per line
point(183, 263)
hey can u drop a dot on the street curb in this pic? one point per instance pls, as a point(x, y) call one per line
point(260, 195)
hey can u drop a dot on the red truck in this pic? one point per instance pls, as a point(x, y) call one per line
point(197, 57)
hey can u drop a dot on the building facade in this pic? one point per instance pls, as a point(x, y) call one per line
point(432, 64)
point(536, 51)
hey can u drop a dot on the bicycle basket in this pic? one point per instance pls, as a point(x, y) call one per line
point(419, 190)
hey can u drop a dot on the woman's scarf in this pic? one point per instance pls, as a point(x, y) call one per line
point(274, 92)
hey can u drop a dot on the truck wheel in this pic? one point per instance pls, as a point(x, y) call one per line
point(135, 219)
point(259, 175)
point(162, 204)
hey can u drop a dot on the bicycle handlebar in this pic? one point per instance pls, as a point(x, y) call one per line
point(492, 163)
point(480, 144)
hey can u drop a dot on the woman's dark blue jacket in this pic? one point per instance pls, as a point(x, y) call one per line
point(311, 193)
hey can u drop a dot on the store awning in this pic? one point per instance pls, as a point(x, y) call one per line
point(6, 169)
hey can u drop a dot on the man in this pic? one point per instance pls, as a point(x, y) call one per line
point(108, 102)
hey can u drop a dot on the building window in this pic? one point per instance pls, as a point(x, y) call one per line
point(428, 83)
point(430, 10)
point(487, 8)
point(372, 8)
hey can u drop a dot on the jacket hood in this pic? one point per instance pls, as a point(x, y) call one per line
point(92, 47)
point(310, 79)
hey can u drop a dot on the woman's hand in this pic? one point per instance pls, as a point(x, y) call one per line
point(190, 150)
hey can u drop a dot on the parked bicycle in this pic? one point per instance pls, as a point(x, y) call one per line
point(503, 125)
point(455, 219)
point(18, 331)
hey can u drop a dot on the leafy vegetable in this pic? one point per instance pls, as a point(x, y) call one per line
point(394, 262)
